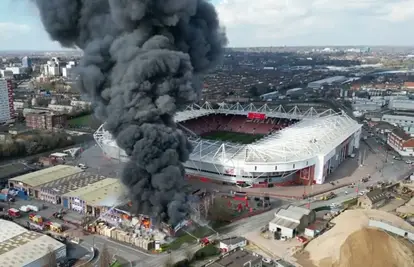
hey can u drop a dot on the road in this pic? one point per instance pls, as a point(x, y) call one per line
point(129, 254)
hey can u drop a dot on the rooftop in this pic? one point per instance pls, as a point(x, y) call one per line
point(331, 79)
point(71, 183)
point(289, 215)
point(237, 259)
point(47, 175)
point(103, 193)
point(20, 247)
point(300, 210)
point(376, 195)
point(285, 223)
point(234, 240)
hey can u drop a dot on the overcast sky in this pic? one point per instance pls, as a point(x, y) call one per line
point(260, 23)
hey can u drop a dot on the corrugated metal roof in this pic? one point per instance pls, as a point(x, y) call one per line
point(20, 247)
point(284, 223)
point(289, 215)
point(47, 175)
point(103, 193)
point(300, 210)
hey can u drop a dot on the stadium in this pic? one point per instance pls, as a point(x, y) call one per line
point(259, 147)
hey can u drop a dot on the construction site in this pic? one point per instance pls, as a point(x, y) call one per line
point(377, 230)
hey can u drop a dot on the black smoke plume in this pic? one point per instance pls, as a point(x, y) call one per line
point(143, 61)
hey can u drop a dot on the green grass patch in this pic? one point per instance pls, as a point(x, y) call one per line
point(116, 264)
point(239, 138)
point(81, 121)
point(186, 238)
point(350, 202)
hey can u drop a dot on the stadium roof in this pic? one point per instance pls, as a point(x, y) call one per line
point(316, 134)
point(20, 247)
point(301, 141)
point(47, 175)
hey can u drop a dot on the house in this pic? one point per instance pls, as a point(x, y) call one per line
point(291, 221)
point(232, 243)
point(238, 258)
point(372, 200)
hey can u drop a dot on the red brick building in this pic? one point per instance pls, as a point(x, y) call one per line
point(46, 121)
point(401, 142)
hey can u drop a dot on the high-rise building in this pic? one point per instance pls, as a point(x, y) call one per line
point(6, 100)
point(26, 62)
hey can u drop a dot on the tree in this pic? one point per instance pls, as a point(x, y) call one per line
point(253, 91)
point(51, 258)
point(105, 258)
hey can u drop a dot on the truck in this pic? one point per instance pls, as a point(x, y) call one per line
point(14, 212)
point(33, 208)
point(329, 196)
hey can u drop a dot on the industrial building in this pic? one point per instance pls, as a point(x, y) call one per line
point(6, 101)
point(270, 96)
point(53, 191)
point(400, 120)
point(326, 81)
point(401, 104)
point(95, 198)
point(291, 221)
point(401, 142)
point(22, 248)
point(294, 92)
point(32, 182)
point(232, 243)
point(237, 259)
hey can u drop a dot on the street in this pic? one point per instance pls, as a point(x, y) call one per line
point(123, 252)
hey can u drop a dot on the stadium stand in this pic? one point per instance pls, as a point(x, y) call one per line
point(235, 123)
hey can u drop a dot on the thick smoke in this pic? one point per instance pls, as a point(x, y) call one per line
point(143, 60)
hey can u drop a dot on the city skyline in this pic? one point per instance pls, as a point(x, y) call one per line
point(268, 23)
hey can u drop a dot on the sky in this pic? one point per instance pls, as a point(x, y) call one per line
point(259, 23)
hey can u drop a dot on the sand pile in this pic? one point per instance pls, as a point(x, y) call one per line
point(326, 250)
point(374, 248)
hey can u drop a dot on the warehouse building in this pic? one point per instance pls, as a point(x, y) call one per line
point(291, 221)
point(95, 198)
point(52, 192)
point(400, 120)
point(22, 248)
point(31, 182)
point(326, 81)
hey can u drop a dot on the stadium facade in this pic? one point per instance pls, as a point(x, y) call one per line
point(296, 147)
